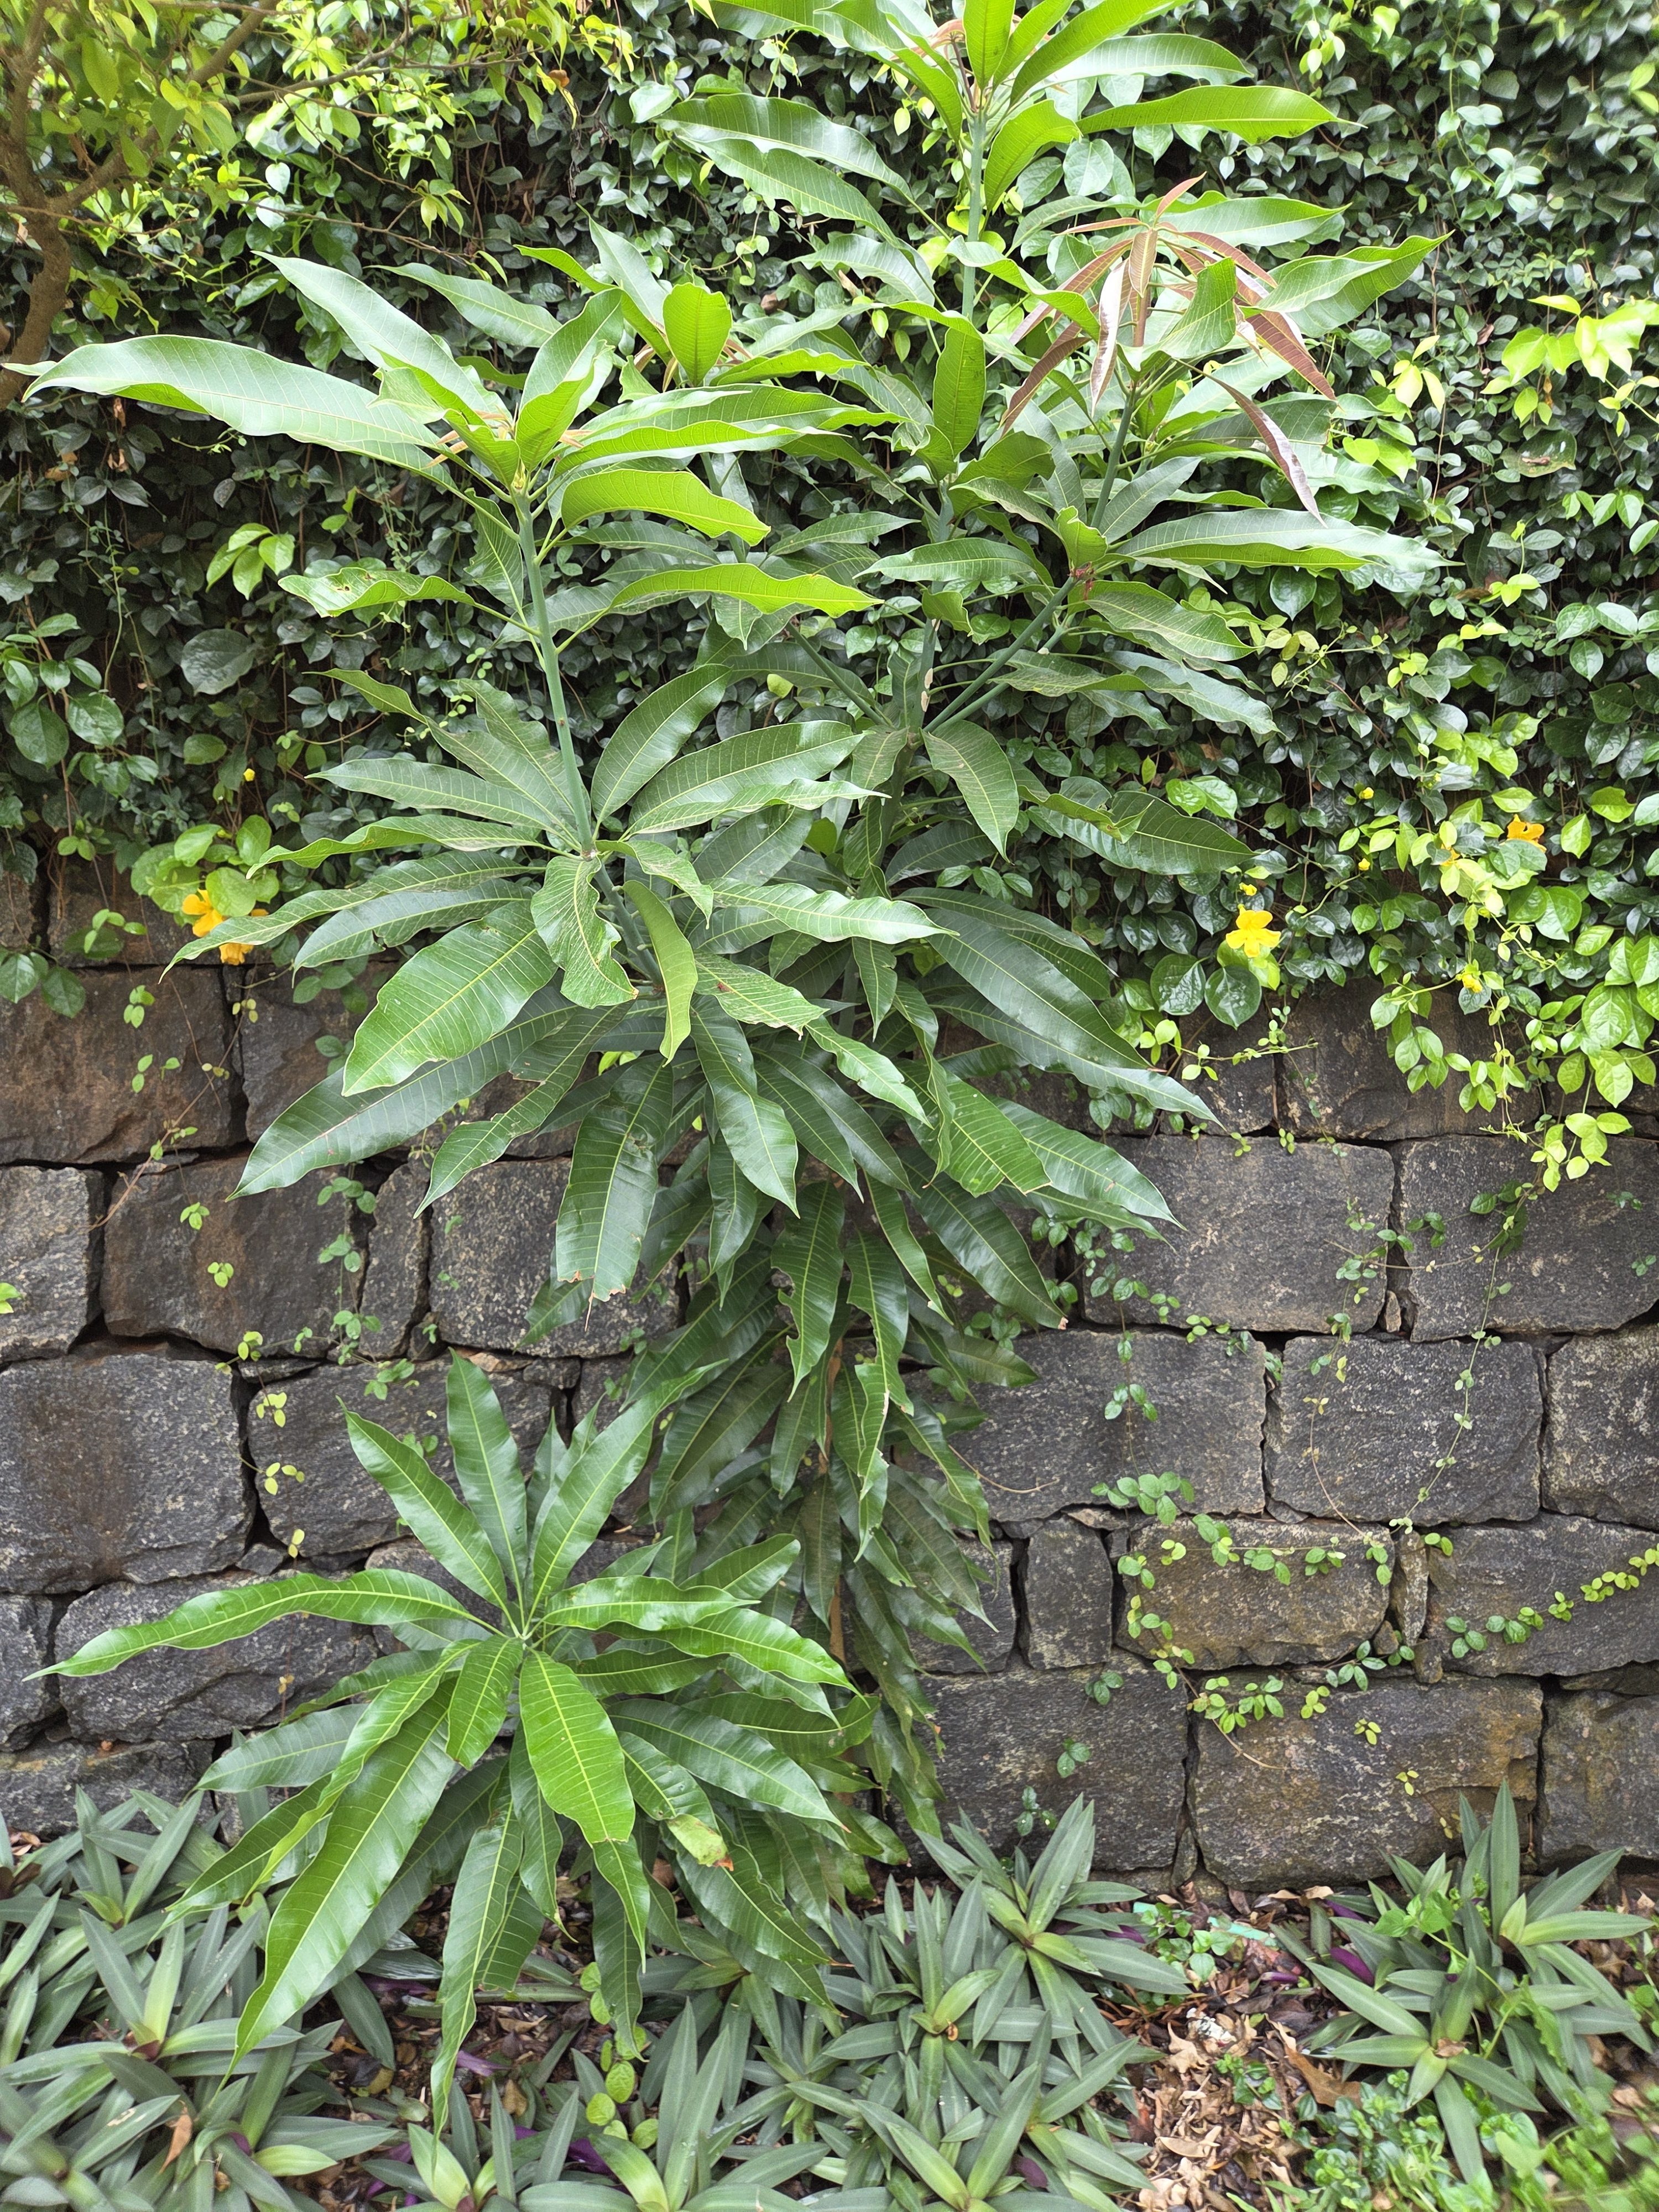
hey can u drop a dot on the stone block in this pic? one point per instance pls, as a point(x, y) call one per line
point(159, 1272)
point(1240, 1615)
point(399, 1258)
point(25, 1646)
point(1576, 1269)
point(1338, 1078)
point(1002, 1734)
point(48, 1228)
point(66, 1087)
point(37, 1787)
point(1602, 1437)
point(1068, 1597)
point(117, 1464)
point(1241, 1091)
point(599, 1383)
point(991, 1639)
point(276, 1042)
point(1599, 1777)
point(1290, 1802)
point(1263, 1235)
point(330, 1504)
point(77, 891)
point(492, 1245)
point(179, 1696)
point(1050, 1445)
point(554, 1142)
point(20, 911)
point(1493, 1572)
point(1359, 1428)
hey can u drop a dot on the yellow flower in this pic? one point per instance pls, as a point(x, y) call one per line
point(1368, 792)
point(1253, 932)
point(207, 915)
point(1528, 833)
point(1470, 978)
point(233, 955)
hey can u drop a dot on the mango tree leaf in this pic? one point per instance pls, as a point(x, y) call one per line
point(253, 392)
point(697, 324)
point(977, 765)
point(736, 579)
point(487, 307)
point(483, 1891)
point(613, 1183)
point(673, 492)
point(370, 1832)
point(478, 1706)
point(574, 1752)
point(809, 1252)
point(1270, 537)
point(792, 125)
point(1252, 113)
point(828, 916)
point(676, 962)
point(757, 1132)
point(739, 773)
point(959, 385)
point(450, 999)
point(599, 1468)
point(736, 1760)
point(389, 337)
point(428, 1508)
point(650, 735)
point(487, 1462)
point(566, 913)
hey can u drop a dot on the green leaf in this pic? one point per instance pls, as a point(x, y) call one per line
point(676, 962)
point(598, 1470)
point(476, 1144)
point(566, 913)
point(478, 1706)
point(370, 1832)
point(1069, 51)
point(390, 338)
point(959, 385)
point(498, 314)
point(613, 1183)
point(253, 392)
point(1324, 291)
point(673, 492)
point(1209, 323)
point(977, 765)
point(1026, 135)
point(736, 579)
point(736, 1760)
point(828, 916)
point(986, 1147)
point(740, 775)
point(541, 1838)
point(822, 1111)
point(449, 998)
point(1089, 1172)
point(774, 173)
point(1269, 536)
point(487, 1462)
point(650, 735)
point(325, 1129)
point(1137, 610)
point(757, 1132)
point(809, 1252)
point(378, 1595)
point(697, 324)
point(1250, 113)
point(414, 783)
point(484, 1889)
point(790, 125)
point(428, 1508)
point(749, 994)
point(573, 1750)
point(985, 25)
point(989, 1249)
point(763, 1642)
point(354, 586)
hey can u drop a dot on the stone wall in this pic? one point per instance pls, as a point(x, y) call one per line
point(173, 1365)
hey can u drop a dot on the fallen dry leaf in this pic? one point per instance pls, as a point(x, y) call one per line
point(183, 2129)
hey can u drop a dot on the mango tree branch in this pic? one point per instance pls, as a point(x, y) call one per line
point(42, 214)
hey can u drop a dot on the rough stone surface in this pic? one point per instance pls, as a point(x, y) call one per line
point(1291, 1801)
point(399, 1256)
point(1068, 1597)
point(1242, 1094)
point(1600, 1778)
point(1357, 1429)
point(492, 1241)
point(1263, 1233)
point(1496, 1571)
point(66, 1094)
point(24, 1646)
point(277, 1053)
point(1002, 1734)
point(1050, 1445)
point(1602, 1441)
point(177, 1697)
point(341, 1510)
point(1240, 1615)
point(991, 1639)
point(1337, 1078)
point(497, 1097)
point(37, 1787)
point(47, 1254)
point(20, 912)
point(1576, 1268)
point(599, 1383)
point(77, 891)
point(117, 1464)
point(157, 1276)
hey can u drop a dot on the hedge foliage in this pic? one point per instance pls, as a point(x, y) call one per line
point(1453, 789)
